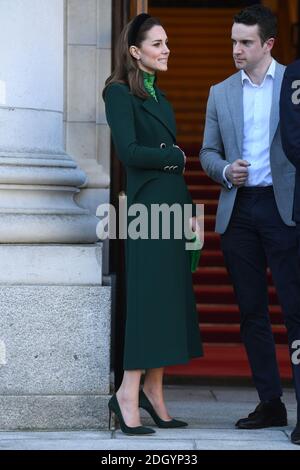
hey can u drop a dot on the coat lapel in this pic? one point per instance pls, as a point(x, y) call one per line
point(235, 104)
point(274, 116)
point(162, 111)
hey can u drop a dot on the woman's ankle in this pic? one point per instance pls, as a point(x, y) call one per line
point(127, 396)
point(153, 394)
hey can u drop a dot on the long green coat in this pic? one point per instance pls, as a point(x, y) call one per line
point(162, 326)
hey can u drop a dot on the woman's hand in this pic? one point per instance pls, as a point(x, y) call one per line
point(195, 226)
point(184, 156)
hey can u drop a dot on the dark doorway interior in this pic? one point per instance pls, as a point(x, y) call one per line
point(199, 35)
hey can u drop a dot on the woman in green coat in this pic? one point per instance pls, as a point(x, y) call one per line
point(161, 325)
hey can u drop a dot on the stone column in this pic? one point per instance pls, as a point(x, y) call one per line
point(38, 180)
point(55, 311)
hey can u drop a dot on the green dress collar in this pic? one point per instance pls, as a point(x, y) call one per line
point(149, 80)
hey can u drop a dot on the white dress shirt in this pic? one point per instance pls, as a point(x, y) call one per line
point(257, 102)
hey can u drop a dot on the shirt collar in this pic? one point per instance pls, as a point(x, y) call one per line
point(149, 78)
point(270, 73)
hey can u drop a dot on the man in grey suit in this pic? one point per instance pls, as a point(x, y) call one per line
point(242, 151)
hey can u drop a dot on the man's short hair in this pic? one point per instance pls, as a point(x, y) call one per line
point(263, 17)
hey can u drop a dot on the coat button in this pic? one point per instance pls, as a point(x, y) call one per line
point(163, 145)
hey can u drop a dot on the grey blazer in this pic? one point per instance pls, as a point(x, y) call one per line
point(222, 144)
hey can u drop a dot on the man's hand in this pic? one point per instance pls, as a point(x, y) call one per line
point(237, 172)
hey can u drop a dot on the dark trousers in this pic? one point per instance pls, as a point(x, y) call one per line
point(255, 239)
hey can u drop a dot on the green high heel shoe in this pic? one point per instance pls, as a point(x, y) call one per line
point(113, 406)
point(145, 403)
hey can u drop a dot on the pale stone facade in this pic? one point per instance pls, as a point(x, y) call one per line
point(55, 308)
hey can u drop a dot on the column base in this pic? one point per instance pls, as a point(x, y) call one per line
point(54, 338)
point(35, 228)
point(53, 412)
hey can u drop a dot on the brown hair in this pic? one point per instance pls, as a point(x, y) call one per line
point(127, 70)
